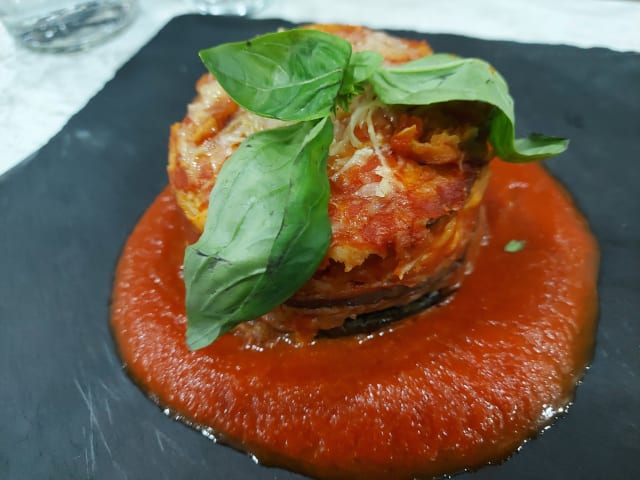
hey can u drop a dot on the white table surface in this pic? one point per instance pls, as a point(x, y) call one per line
point(40, 92)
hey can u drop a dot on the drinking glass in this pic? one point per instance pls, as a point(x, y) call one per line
point(64, 25)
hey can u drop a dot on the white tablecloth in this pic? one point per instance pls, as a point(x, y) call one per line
point(40, 92)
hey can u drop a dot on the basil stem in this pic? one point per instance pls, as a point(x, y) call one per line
point(443, 78)
point(362, 65)
point(266, 232)
point(293, 75)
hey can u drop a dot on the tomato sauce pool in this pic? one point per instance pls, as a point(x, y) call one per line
point(455, 387)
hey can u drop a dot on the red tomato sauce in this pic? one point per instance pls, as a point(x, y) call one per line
point(452, 388)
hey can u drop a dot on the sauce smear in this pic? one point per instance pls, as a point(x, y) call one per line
point(460, 385)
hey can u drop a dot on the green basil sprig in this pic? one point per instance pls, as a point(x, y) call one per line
point(266, 225)
point(294, 75)
point(443, 78)
point(267, 228)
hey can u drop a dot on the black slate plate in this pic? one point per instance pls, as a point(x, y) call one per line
point(67, 409)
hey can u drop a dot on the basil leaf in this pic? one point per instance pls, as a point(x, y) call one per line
point(443, 78)
point(293, 75)
point(361, 66)
point(514, 246)
point(266, 231)
point(534, 147)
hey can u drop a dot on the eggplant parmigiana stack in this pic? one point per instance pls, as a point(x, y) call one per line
point(405, 208)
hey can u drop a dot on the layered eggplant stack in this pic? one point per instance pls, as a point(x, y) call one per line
point(405, 208)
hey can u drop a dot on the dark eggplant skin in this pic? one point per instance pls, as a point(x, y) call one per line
point(373, 321)
point(397, 295)
point(407, 302)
